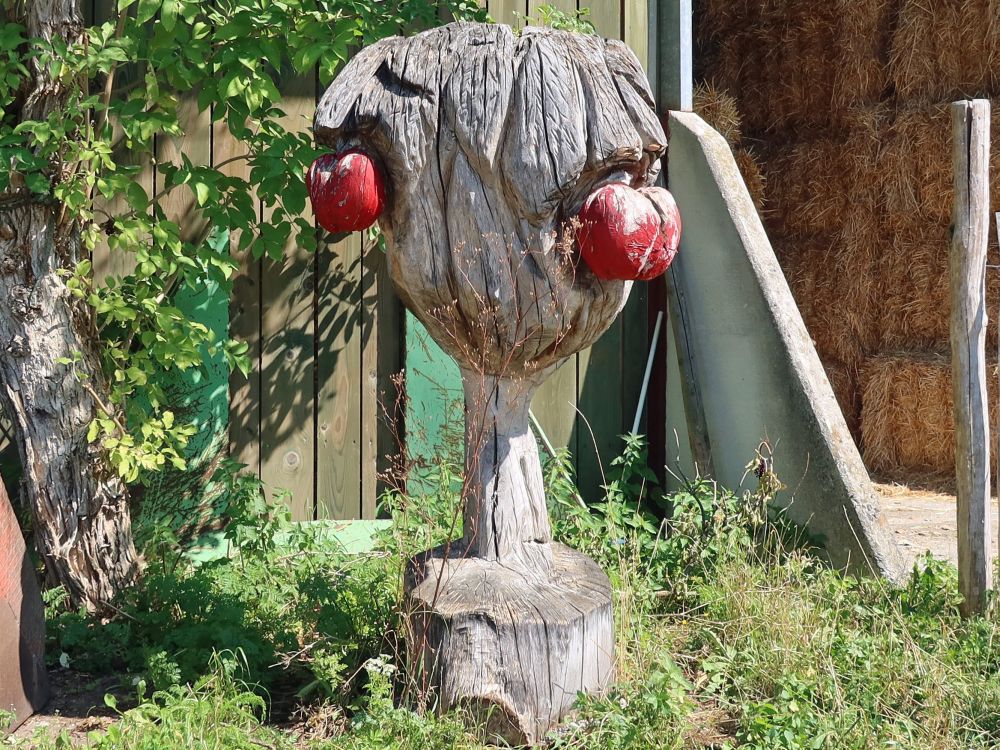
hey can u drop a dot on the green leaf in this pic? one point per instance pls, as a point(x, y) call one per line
point(37, 183)
point(168, 14)
point(201, 192)
point(147, 9)
point(136, 196)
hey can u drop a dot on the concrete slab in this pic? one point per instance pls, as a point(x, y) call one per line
point(755, 363)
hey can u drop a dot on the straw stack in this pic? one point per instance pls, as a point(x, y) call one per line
point(797, 63)
point(913, 291)
point(846, 103)
point(915, 168)
point(907, 418)
point(946, 49)
point(831, 284)
point(720, 110)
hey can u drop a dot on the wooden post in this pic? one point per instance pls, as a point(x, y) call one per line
point(674, 64)
point(967, 268)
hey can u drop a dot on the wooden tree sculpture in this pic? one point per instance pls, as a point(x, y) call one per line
point(501, 160)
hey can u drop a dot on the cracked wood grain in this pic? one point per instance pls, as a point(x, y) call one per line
point(491, 142)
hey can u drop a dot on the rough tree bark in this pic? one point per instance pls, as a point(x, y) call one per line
point(79, 506)
point(491, 143)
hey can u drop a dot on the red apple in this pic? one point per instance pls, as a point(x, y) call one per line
point(663, 253)
point(347, 190)
point(628, 234)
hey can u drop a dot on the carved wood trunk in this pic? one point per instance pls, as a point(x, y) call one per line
point(491, 142)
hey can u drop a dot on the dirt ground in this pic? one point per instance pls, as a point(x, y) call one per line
point(76, 707)
point(922, 516)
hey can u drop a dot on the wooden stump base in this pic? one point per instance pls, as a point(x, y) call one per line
point(512, 646)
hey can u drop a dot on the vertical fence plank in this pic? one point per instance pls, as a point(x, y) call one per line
point(554, 404)
point(601, 412)
point(288, 385)
point(567, 6)
point(637, 28)
point(179, 204)
point(341, 430)
point(634, 318)
point(510, 12)
point(374, 286)
point(106, 262)
point(967, 269)
point(228, 154)
point(607, 17)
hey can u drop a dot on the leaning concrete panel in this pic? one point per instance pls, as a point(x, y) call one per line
point(758, 372)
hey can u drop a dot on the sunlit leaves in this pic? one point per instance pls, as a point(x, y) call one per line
point(230, 59)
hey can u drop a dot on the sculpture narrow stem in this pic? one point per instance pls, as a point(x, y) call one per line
point(506, 518)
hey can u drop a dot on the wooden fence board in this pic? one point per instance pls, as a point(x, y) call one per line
point(637, 29)
point(341, 380)
point(390, 357)
point(555, 404)
point(288, 364)
point(568, 6)
point(635, 317)
point(607, 17)
point(244, 317)
point(506, 11)
point(373, 286)
point(108, 263)
point(179, 204)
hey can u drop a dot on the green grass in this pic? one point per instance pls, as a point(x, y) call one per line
point(729, 635)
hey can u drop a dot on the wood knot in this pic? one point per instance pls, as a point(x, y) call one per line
point(17, 347)
point(6, 233)
point(7, 265)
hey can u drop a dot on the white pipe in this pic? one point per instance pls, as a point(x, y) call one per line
point(649, 371)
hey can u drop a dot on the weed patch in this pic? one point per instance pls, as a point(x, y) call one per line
point(730, 634)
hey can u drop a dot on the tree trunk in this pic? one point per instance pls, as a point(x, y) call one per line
point(505, 515)
point(79, 505)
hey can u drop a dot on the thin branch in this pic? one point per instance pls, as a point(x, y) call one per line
point(112, 414)
point(109, 82)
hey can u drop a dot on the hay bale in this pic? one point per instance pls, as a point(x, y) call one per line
point(915, 164)
point(946, 49)
point(833, 292)
point(716, 107)
point(844, 381)
point(752, 175)
point(813, 184)
point(907, 418)
point(798, 64)
point(913, 288)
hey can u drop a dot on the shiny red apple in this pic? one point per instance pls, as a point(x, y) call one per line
point(347, 190)
point(629, 234)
